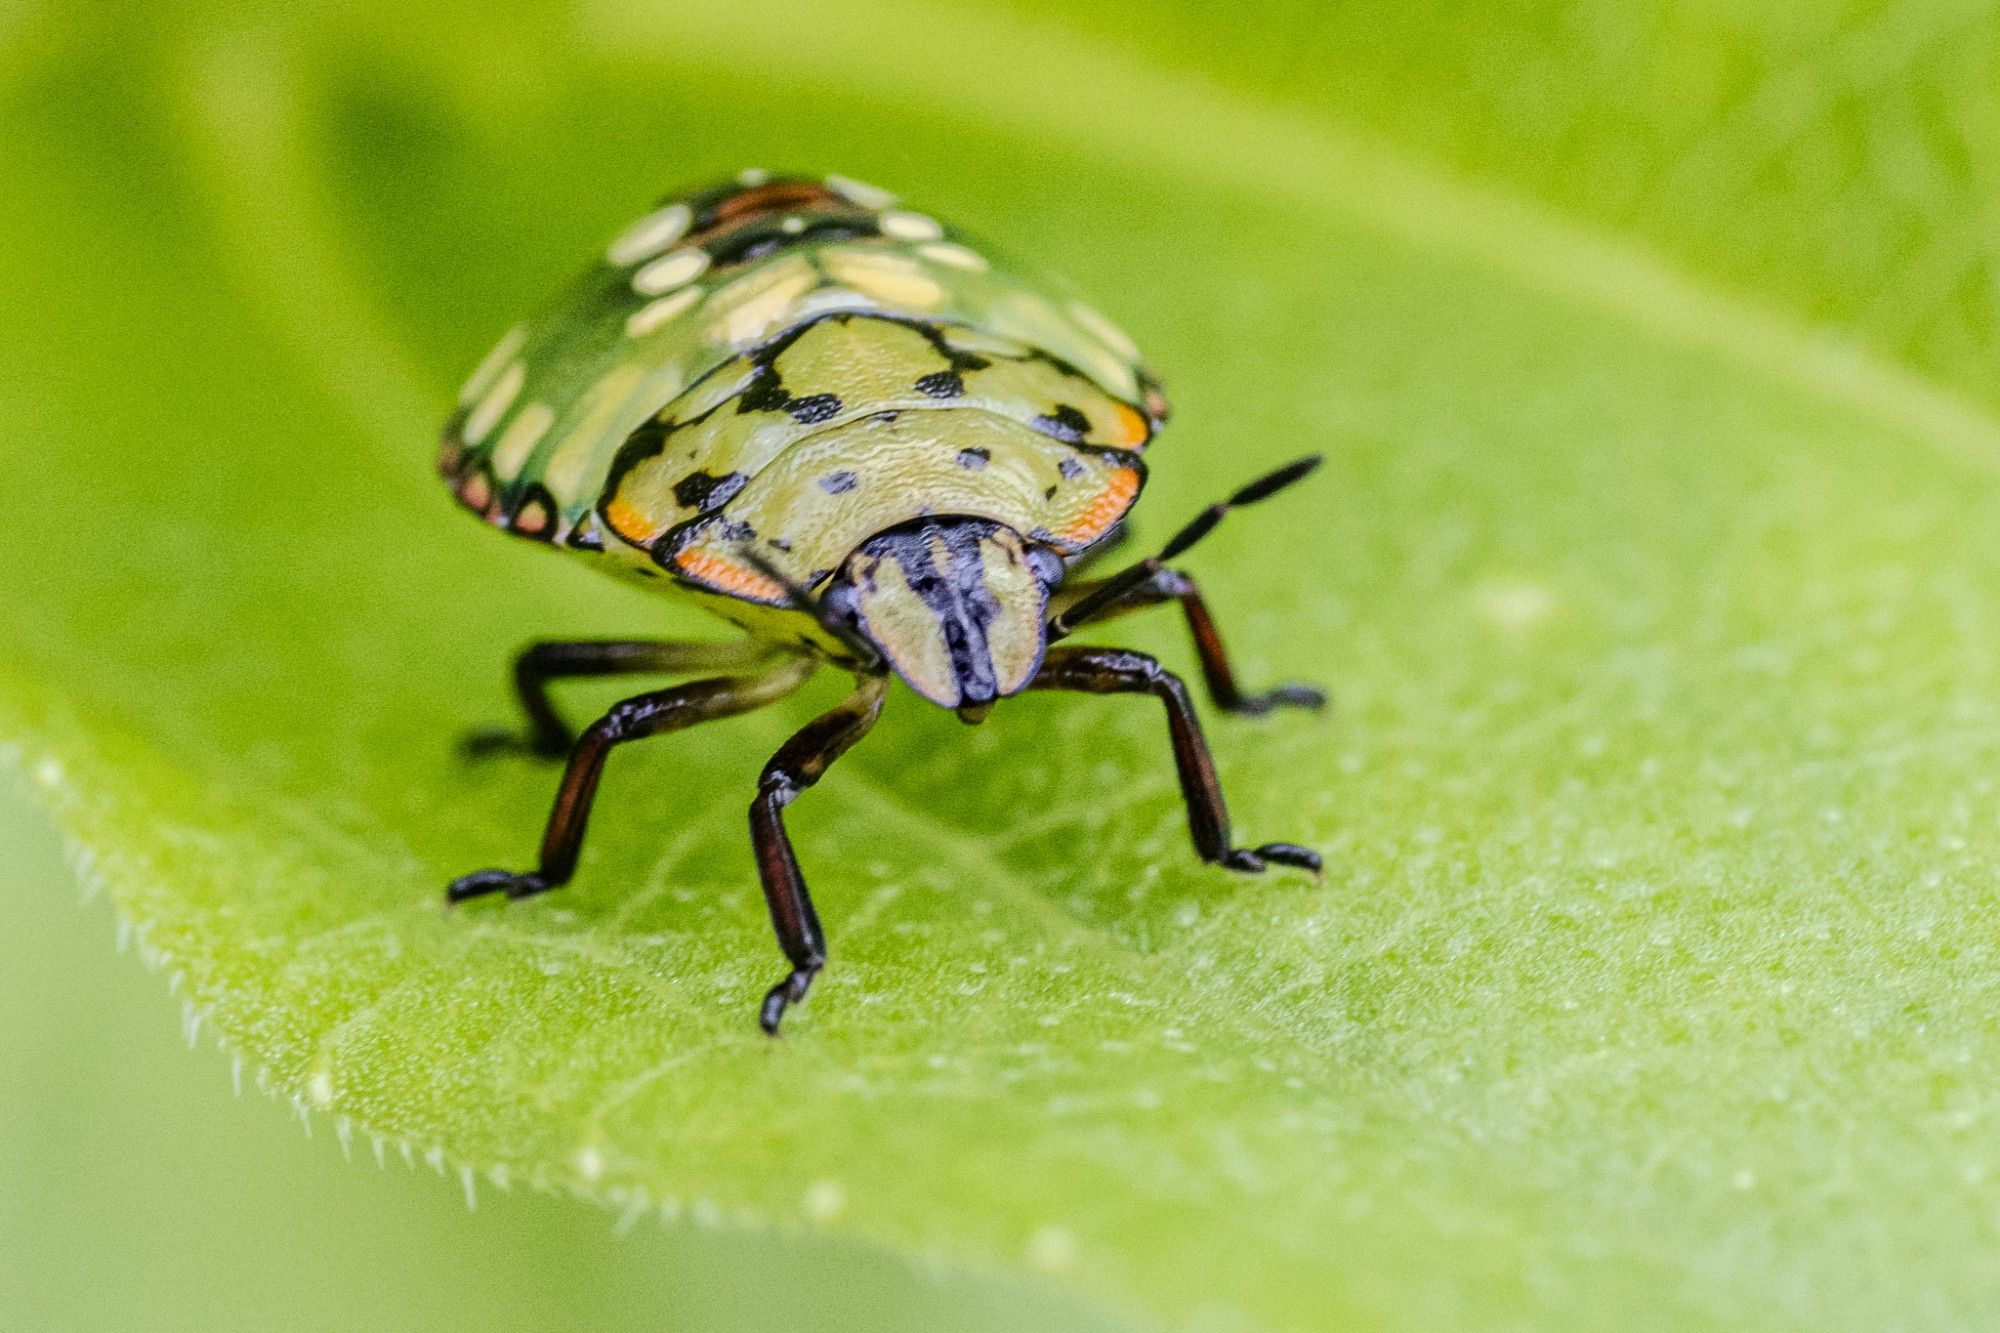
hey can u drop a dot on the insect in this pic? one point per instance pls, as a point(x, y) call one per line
point(832, 421)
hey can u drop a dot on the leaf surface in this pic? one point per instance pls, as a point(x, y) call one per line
point(1651, 980)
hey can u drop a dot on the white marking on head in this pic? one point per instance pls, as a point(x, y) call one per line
point(752, 176)
point(656, 313)
point(906, 226)
point(503, 352)
point(670, 271)
point(1110, 334)
point(495, 403)
point(649, 235)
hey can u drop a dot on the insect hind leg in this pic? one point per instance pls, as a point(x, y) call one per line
point(644, 715)
point(539, 665)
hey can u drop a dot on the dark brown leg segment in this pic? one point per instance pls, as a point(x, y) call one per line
point(798, 764)
point(645, 715)
point(1120, 671)
point(548, 736)
point(1171, 585)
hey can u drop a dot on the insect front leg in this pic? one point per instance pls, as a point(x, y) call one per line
point(1172, 585)
point(797, 765)
point(644, 715)
point(539, 664)
point(1120, 671)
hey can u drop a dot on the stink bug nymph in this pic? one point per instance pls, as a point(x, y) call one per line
point(832, 421)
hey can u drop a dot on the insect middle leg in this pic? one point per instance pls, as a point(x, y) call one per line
point(1171, 585)
point(539, 664)
point(643, 715)
point(1121, 671)
point(797, 765)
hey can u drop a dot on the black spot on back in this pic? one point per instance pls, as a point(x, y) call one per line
point(703, 491)
point(764, 393)
point(839, 483)
point(974, 459)
point(1065, 423)
point(815, 407)
point(942, 384)
point(1070, 468)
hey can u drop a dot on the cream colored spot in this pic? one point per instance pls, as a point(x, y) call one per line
point(670, 271)
point(603, 402)
point(832, 298)
point(792, 226)
point(906, 226)
point(320, 1089)
point(751, 177)
point(649, 235)
point(862, 193)
point(495, 403)
point(589, 1163)
point(1108, 370)
point(1110, 334)
point(956, 256)
point(653, 314)
point(503, 352)
point(523, 433)
point(750, 307)
point(892, 279)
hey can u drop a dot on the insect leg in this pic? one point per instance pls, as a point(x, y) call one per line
point(1108, 592)
point(797, 765)
point(1172, 585)
point(1120, 671)
point(643, 715)
point(540, 663)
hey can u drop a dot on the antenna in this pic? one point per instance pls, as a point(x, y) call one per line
point(1118, 586)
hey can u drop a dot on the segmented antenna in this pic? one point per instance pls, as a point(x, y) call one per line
point(1120, 585)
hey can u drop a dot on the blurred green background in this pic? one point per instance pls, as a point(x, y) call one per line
point(1654, 352)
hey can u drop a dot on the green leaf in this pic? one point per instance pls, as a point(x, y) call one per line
point(1651, 982)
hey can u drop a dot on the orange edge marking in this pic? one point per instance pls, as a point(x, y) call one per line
point(475, 492)
point(1133, 428)
point(725, 575)
point(629, 522)
point(1111, 502)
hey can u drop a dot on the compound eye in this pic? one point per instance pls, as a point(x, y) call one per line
point(1046, 564)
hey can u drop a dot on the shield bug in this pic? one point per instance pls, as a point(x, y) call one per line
point(834, 422)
